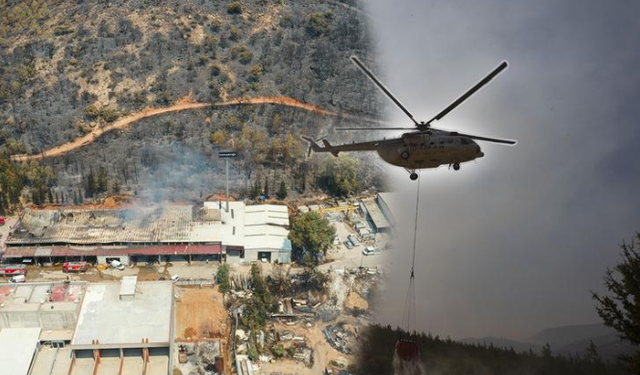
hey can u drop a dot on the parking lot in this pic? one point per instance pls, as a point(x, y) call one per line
point(340, 256)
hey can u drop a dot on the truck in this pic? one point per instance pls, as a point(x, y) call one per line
point(13, 269)
point(75, 266)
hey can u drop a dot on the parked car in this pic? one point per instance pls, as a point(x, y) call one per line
point(348, 245)
point(175, 278)
point(369, 250)
point(117, 265)
point(18, 279)
point(354, 239)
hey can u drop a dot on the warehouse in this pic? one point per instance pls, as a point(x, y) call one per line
point(381, 211)
point(260, 232)
point(170, 233)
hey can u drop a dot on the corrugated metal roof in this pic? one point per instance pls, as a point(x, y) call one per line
point(378, 218)
point(84, 227)
point(65, 251)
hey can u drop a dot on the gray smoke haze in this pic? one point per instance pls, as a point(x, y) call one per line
point(514, 242)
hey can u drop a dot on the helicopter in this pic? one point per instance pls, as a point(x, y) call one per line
point(424, 147)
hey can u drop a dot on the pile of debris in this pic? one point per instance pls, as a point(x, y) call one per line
point(204, 357)
point(293, 309)
point(301, 350)
point(340, 338)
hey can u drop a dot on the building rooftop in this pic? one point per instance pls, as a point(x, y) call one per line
point(17, 362)
point(378, 218)
point(41, 296)
point(159, 224)
point(110, 320)
point(390, 202)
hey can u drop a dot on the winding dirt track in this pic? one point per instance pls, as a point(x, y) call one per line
point(181, 106)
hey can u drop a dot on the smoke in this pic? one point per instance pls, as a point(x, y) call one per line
point(178, 173)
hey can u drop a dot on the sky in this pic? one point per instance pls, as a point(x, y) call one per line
point(514, 242)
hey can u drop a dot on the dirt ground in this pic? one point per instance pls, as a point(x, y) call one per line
point(200, 313)
point(355, 301)
point(323, 352)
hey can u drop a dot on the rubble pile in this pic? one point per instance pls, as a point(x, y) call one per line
point(204, 357)
point(340, 338)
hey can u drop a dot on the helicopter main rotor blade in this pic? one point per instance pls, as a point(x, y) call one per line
point(382, 87)
point(470, 92)
point(510, 142)
point(341, 129)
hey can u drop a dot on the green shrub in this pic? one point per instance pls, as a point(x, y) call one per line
point(234, 8)
point(246, 57)
point(62, 30)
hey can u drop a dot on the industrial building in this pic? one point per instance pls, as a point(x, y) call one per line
point(86, 329)
point(161, 233)
point(124, 327)
point(381, 211)
point(38, 318)
point(53, 307)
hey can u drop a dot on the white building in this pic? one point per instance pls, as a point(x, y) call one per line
point(252, 233)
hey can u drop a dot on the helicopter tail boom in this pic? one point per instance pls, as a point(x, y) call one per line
point(316, 148)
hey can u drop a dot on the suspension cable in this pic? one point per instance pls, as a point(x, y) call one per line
point(409, 316)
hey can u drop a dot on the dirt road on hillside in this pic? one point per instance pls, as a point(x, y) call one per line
point(180, 106)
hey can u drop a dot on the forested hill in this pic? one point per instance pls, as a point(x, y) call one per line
point(447, 357)
point(69, 67)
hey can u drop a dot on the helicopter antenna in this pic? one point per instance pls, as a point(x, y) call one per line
point(382, 87)
point(470, 92)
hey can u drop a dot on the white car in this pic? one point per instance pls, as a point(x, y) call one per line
point(117, 265)
point(18, 279)
point(175, 278)
point(369, 251)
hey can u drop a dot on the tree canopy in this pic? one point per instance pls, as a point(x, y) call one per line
point(311, 234)
point(621, 309)
point(340, 176)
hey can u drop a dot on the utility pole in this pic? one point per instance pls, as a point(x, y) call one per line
point(226, 155)
point(226, 161)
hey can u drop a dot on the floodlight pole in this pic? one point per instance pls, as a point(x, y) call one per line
point(227, 163)
point(226, 155)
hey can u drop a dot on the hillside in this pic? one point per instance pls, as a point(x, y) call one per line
point(448, 357)
point(74, 69)
point(565, 340)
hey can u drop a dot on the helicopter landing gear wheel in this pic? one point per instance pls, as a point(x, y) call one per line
point(413, 176)
point(456, 166)
point(405, 155)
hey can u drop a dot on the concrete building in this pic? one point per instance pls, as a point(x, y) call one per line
point(258, 232)
point(18, 347)
point(162, 233)
point(124, 327)
point(53, 307)
point(381, 211)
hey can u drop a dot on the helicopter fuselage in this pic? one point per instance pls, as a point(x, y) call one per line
point(418, 150)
